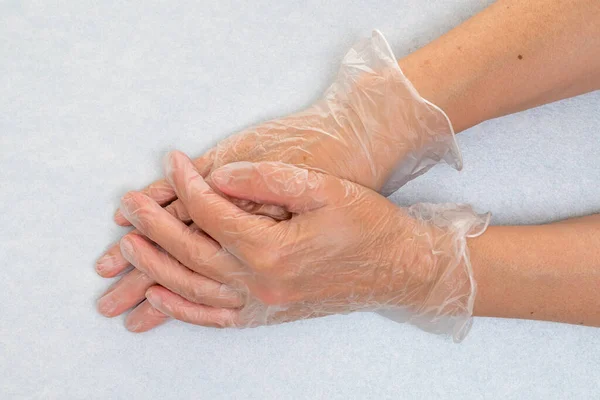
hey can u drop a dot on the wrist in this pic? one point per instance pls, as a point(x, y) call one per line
point(438, 78)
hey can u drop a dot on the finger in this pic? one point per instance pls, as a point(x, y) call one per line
point(159, 191)
point(168, 272)
point(131, 289)
point(124, 294)
point(113, 263)
point(178, 210)
point(215, 215)
point(162, 192)
point(179, 308)
point(268, 210)
point(189, 248)
point(297, 190)
point(145, 317)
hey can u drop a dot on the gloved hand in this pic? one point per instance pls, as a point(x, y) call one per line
point(345, 249)
point(370, 127)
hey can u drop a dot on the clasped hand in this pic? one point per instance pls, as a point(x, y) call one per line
point(244, 262)
point(346, 248)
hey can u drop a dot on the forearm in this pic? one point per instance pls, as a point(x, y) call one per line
point(547, 272)
point(512, 56)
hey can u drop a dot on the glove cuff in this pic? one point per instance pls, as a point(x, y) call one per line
point(421, 132)
point(448, 302)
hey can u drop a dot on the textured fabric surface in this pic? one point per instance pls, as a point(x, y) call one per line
point(92, 96)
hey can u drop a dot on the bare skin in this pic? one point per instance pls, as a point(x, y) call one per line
point(546, 272)
point(512, 56)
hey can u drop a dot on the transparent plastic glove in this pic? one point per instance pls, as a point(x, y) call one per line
point(371, 127)
point(345, 249)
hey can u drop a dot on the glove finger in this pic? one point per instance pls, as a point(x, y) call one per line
point(162, 192)
point(179, 308)
point(164, 269)
point(125, 294)
point(113, 263)
point(145, 317)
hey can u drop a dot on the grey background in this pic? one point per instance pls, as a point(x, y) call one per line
point(92, 95)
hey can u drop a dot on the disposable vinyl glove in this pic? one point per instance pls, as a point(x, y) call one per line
point(371, 127)
point(345, 249)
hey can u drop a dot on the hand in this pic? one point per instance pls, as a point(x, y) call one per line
point(371, 127)
point(345, 249)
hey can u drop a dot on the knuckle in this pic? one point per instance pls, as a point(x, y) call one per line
point(177, 210)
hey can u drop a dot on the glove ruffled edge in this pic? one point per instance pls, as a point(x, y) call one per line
point(454, 156)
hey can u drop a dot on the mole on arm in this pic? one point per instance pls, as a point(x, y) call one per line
point(520, 57)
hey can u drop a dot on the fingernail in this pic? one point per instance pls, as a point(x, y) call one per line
point(126, 247)
point(106, 305)
point(153, 299)
point(105, 263)
point(118, 217)
point(133, 326)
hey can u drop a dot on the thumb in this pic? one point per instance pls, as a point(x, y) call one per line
point(295, 189)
